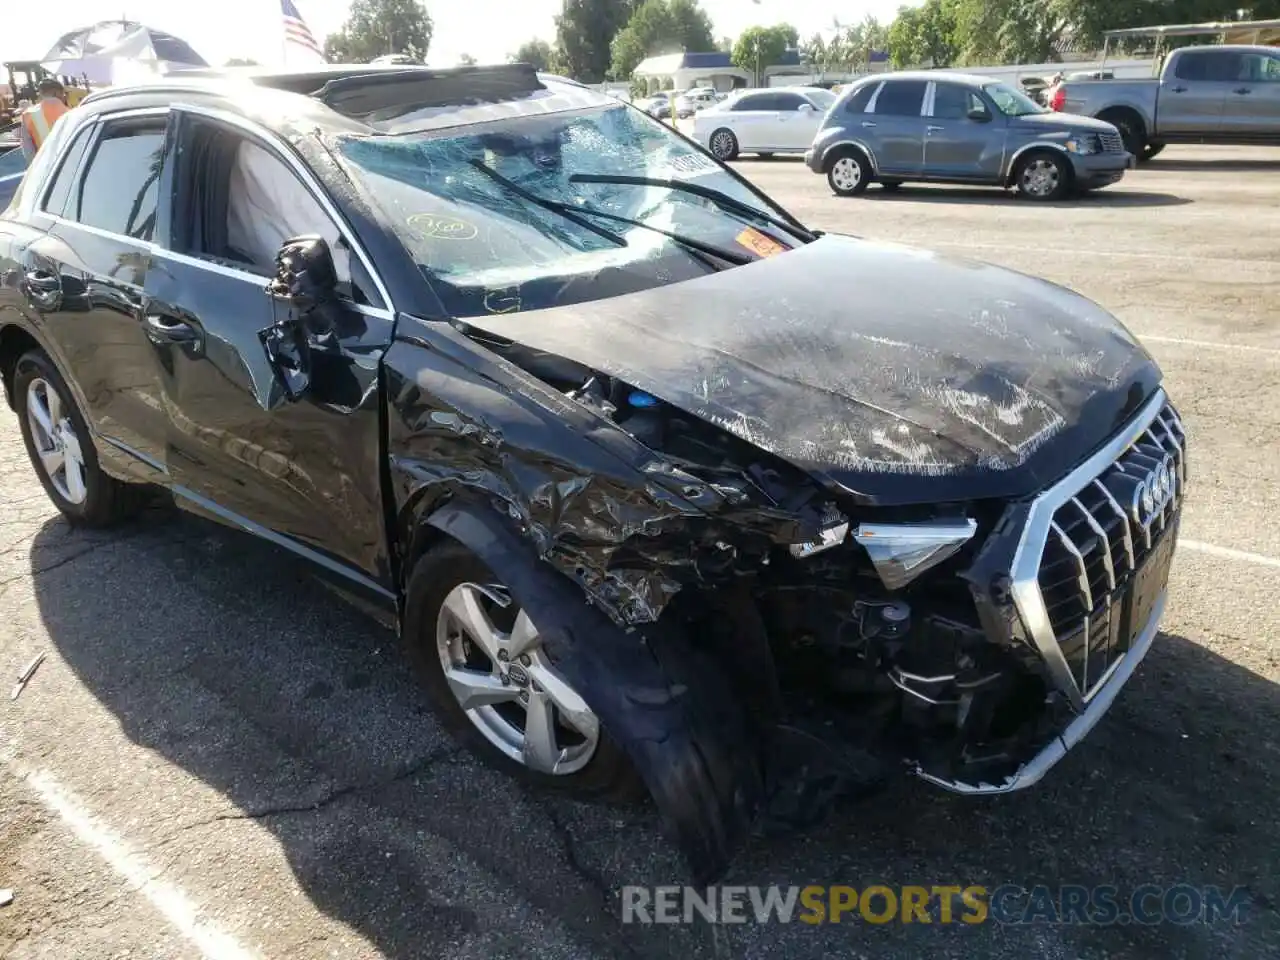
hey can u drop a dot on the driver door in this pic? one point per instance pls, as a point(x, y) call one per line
point(304, 473)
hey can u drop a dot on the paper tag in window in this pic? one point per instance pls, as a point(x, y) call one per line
point(760, 244)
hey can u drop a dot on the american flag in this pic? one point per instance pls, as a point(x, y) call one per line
point(296, 30)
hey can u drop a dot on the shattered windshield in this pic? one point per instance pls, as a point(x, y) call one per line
point(492, 217)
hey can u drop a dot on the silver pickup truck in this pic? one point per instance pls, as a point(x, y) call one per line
point(1210, 94)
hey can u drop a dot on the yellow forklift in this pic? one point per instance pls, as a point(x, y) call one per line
point(24, 81)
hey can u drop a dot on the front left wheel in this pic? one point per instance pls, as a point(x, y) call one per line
point(61, 449)
point(1043, 175)
point(491, 682)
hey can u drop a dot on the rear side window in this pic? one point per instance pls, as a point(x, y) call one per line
point(788, 101)
point(55, 201)
point(857, 102)
point(120, 189)
point(901, 98)
point(755, 101)
point(1220, 65)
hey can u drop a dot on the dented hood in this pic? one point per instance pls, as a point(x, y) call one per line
point(890, 373)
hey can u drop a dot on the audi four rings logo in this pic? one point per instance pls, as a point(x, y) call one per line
point(1154, 492)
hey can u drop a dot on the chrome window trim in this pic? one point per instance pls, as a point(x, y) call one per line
point(926, 105)
point(281, 149)
point(1027, 598)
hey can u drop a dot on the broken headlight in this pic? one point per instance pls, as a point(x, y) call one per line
point(903, 551)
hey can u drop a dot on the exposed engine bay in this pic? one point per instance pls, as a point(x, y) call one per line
point(892, 661)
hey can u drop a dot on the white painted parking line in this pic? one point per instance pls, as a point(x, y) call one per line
point(1228, 554)
point(172, 904)
point(1209, 343)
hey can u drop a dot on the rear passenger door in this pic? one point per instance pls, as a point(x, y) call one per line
point(305, 472)
point(1192, 99)
point(85, 278)
point(1252, 108)
point(754, 119)
point(897, 127)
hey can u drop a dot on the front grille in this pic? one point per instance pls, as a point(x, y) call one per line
point(1096, 542)
point(1111, 142)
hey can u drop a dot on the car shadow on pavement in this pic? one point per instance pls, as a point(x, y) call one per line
point(222, 656)
point(1107, 197)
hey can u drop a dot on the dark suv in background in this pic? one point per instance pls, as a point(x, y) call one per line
point(959, 128)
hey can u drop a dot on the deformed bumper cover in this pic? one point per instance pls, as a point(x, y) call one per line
point(1035, 769)
point(665, 704)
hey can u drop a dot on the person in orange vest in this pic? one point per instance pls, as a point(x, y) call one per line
point(38, 120)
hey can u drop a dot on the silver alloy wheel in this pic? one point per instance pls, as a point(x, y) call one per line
point(1040, 177)
point(517, 700)
point(57, 444)
point(846, 173)
point(722, 145)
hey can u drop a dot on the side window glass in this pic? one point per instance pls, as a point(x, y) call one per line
point(902, 98)
point(55, 200)
point(1190, 66)
point(857, 103)
point(758, 101)
point(119, 190)
point(245, 201)
point(951, 102)
point(789, 102)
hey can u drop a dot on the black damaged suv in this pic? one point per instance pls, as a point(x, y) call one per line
point(660, 487)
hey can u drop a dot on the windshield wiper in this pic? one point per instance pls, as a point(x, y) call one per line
point(720, 199)
point(576, 212)
point(551, 205)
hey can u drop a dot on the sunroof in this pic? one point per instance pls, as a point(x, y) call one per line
point(389, 94)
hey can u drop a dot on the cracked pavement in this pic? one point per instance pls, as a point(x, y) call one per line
point(262, 748)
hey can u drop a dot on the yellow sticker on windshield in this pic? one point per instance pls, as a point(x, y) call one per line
point(759, 243)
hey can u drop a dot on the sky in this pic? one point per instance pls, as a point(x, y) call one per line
point(488, 30)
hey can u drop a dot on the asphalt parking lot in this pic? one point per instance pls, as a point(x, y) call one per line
point(219, 759)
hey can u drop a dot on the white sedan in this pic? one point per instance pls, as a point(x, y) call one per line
point(777, 120)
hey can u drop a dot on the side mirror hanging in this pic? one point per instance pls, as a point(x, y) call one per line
point(304, 290)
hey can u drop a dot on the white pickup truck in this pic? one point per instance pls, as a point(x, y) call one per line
point(1208, 94)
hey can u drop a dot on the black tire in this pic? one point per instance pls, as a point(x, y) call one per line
point(1153, 151)
point(1132, 132)
point(106, 501)
point(723, 144)
point(607, 776)
point(842, 179)
point(1055, 186)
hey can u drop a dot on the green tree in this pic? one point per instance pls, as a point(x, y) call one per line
point(660, 26)
point(467, 60)
point(378, 27)
point(584, 34)
point(537, 53)
point(925, 34)
point(761, 47)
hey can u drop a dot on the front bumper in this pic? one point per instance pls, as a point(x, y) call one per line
point(1101, 169)
point(1034, 770)
point(813, 160)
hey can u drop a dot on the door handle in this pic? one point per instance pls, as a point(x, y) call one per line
point(162, 328)
point(1178, 89)
point(1243, 91)
point(868, 124)
point(933, 129)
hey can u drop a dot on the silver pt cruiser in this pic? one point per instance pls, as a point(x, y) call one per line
point(961, 128)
